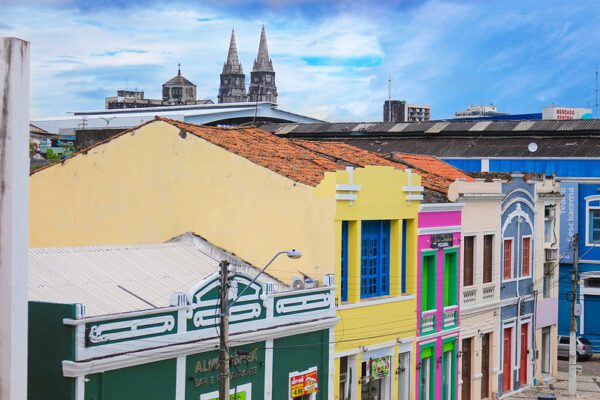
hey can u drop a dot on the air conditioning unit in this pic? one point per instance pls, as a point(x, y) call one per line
point(551, 254)
point(300, 282)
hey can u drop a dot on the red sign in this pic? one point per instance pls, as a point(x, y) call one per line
point(304, 383)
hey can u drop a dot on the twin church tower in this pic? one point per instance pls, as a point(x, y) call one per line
point(262, 78)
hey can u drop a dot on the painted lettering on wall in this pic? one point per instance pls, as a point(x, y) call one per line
point(568, 218)
point(240, 365)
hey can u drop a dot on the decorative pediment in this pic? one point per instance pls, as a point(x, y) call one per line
point(204, 301)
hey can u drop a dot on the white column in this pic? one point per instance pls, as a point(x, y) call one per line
point(268, 370)
point(14, 171)
point(180, 379)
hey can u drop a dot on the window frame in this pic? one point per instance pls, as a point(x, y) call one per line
point(512, 259)
point(384, 232)
point(473, 253)
point(450, 288)
point(491, 263)
point(530, 260)
point(588, 226)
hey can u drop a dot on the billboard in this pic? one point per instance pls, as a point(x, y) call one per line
point(568, 219)
point(553, 112)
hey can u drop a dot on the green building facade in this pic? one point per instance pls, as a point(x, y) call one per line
point(280, 347)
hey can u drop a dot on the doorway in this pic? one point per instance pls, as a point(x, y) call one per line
point(466, 368)
point(404, 376)
point(485, 365)
point(507, 360)
point(524, 365)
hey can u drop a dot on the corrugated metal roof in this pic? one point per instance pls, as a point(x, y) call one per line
point(437, 127)
point(480, 126)
point(104, 278)
point(399, 127)
point(523, 126)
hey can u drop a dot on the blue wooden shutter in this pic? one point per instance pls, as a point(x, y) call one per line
point(375, 255)
point(344, 260)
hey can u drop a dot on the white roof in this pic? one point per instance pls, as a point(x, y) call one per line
point(116, 279)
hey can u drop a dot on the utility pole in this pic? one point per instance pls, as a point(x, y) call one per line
point(224, 333)
point(573, 337)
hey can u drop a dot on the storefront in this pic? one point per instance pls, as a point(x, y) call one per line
point(279, 345)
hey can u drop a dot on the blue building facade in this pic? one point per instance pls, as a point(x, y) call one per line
point(516, 284)
point(579, 213)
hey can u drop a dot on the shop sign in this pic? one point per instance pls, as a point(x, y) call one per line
point(442, 240)
point(380, 367)
point(304, 383)
point(241, 365)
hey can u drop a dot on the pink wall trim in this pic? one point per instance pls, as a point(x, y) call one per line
point(439, 219)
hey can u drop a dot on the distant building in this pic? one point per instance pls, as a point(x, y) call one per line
point(554, 112)
point(262, 77)
point(401, 111)
point(130, 99)
point(478, 111)
point(179, 90)
point(176, 91)
point(233, 80)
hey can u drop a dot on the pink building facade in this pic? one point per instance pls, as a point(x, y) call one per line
point(438, 290)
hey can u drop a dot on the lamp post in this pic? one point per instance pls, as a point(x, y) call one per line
point(225, 306)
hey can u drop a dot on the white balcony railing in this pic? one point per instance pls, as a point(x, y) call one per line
point(469, 296)
point(450, 317)
point(427, 323)
point(489, 293)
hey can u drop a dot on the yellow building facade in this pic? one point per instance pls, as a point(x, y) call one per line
point(164, 178)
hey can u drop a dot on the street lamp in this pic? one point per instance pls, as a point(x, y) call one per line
point(225, 306)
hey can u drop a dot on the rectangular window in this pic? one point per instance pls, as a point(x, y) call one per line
point(428, 275)
point(548, 272)
point(344, 260)
point(450, 279)
point(594, 226)
point(507, 259)
point(549, 224)
point(427, 372)
point(375, 259)
point(448, 371)
point(526, 257)
point(468, 258)
point(488, 257)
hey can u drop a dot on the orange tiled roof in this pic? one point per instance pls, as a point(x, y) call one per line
point(359, 157)
point(432, 164)
point(265, 149)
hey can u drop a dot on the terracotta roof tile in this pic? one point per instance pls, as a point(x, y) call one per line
point(265, 149)
point(349, 154)
point(433, 164)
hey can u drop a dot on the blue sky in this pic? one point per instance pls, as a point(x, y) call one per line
point(332, 58)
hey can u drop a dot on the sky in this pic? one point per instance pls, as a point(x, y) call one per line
point(333, 59)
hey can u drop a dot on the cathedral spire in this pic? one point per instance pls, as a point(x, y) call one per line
point(262, 78)
point(232, 65)
point(233, 81)
point(263, 61)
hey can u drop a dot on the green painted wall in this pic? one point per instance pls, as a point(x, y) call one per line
point(154, 381)
point(299, 353)
point(49, 343)
point(248, 367)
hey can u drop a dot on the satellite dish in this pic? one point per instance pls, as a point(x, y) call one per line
point(532, 147)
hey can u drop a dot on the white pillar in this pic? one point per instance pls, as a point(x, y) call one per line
point(14, 177)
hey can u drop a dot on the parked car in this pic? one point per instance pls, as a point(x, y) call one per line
point(584, 347)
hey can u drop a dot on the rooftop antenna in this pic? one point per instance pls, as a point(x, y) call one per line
point(179, 69)
point(126, 81)
point(390, 99)
point(597, 116)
